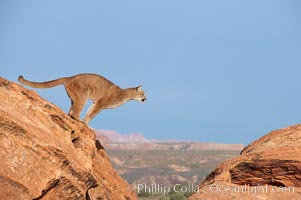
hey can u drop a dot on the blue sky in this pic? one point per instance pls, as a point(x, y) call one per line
point(218, 71)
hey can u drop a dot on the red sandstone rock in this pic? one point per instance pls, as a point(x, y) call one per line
point(272, 162)
point(46, 155)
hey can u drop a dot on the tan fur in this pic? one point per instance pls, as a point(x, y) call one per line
point(103, 93)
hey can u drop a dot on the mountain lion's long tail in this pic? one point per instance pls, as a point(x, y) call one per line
point(47, 84)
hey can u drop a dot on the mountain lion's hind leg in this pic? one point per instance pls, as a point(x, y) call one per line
point(70, 113)
point(77, 108)
point(78, 99)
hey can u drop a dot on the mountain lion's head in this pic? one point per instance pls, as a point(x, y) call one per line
point(140, 94)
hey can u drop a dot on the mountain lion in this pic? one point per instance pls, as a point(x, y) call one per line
point(103, 93)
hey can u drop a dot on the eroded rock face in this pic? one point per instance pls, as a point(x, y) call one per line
point(47, 155)
point(272, 162)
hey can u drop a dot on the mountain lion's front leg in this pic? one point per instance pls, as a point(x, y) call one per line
point(93, 110)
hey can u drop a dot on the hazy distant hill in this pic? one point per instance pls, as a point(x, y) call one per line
point(115, 137)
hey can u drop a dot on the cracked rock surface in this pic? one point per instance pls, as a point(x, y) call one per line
point(46, 155)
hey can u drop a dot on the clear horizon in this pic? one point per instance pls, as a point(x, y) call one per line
point(213, 71)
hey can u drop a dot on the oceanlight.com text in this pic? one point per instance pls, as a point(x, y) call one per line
point(217, 188)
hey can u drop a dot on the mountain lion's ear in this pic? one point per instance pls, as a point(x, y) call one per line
point(139, 88)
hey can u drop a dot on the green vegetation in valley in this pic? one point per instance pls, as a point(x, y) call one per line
point(166, 167)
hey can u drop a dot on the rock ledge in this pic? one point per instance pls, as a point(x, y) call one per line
point(271, 166)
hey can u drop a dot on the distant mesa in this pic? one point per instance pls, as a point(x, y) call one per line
point(114, 140)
